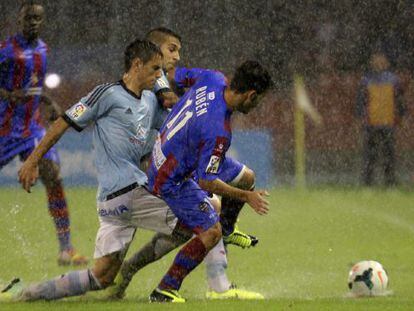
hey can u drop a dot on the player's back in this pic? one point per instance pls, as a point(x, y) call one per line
point(198, 122)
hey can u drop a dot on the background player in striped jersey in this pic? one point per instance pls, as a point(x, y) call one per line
point(233, 172)
point(23, 65)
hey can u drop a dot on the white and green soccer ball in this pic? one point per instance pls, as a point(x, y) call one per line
point(368, 278)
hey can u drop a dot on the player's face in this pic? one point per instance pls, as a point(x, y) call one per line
point(252, 101)
point(171, 51)
point(150, 72)
point(30, 20)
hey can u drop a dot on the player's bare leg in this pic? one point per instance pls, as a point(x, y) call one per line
point(160, 245)
point(58, 210)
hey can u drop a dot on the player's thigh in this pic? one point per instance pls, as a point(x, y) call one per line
point(192, 207)
point(116, 230)
point(151, 212)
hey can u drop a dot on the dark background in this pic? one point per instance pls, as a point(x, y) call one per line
point(328, 42)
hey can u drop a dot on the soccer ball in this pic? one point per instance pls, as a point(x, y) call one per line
point(368, 278)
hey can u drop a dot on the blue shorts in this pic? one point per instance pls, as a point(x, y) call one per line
point(192, 207)
point(10, 147)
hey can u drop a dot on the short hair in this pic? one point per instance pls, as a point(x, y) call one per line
point(160, 34)
point(251, 75)
point(143, 49)
point(29, 3)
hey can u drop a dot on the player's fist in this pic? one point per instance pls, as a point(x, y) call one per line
point(28, 175)
point(257, 201)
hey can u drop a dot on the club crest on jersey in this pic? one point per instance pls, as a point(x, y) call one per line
point(213, 165)
point(77, 110)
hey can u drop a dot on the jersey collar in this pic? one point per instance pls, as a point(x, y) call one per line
point(128, 90)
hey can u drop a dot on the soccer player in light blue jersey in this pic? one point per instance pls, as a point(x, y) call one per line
point(122, 114)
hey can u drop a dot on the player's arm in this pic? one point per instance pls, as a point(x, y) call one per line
point(212, 153)
point(29, 171)
point(254, 198)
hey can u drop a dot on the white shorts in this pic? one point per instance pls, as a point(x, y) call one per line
point(121, 216)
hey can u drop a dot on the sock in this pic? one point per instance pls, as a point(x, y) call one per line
point(189, 257)
point(73, 283)
point(230, 210)
point(216, 265)
point(59, 211)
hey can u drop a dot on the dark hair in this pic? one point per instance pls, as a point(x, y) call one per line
point(251, 76)
point(159, 35)
point(29, 3)
point(142, 49)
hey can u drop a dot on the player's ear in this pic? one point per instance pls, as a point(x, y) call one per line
point(138, 63)
point(252, 95)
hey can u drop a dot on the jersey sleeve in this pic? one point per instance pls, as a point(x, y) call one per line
point(162, 84)
point(186, 77)
point(215, 144)
point(89, 109)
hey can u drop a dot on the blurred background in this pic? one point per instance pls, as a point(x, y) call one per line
point(328, 43)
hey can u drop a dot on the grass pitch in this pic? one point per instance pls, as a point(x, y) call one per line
point(308, 242)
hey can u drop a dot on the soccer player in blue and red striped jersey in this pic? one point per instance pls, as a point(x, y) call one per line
point(23, 65)
point(195, 138)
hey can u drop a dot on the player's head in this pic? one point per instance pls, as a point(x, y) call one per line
point(30, 19)
point(143, 62)
point(379, 61)
point(169, 43)
point(250, 82)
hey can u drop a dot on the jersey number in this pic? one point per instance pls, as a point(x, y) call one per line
point(179, 125)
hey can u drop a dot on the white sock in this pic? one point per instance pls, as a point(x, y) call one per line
point(216, 265)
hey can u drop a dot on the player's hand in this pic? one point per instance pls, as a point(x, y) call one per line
point(168, 99)
point(28, 175)
point(257, 201)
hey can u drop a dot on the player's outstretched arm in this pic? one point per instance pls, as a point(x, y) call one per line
point(254, 198)
point(29, 172)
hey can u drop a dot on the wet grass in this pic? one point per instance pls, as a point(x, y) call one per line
point(308, 243)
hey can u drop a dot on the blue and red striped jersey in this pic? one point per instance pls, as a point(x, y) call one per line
point(196, 134)
point(22, 67)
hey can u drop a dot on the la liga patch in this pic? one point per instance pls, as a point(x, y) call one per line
point(76, 111)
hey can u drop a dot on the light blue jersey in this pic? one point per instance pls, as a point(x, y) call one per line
point(121, 124)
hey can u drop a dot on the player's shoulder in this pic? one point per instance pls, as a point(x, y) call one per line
point(6, 43)
point(101, 92)
point(215, 77)
point(42, 45)
point(149, 96)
